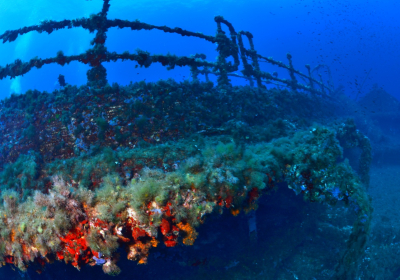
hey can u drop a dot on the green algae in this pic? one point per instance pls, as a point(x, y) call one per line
point(232, 154)
point(215, 163)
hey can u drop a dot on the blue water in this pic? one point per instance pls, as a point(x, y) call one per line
point(352, 37)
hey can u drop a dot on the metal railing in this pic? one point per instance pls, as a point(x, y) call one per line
point(228, 47)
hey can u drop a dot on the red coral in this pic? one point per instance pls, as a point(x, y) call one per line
point(167, 209)
point(70, 250)
point(175, 230)
point(9, 259)
point(228, 201)
point(220, 201)
point(170, 233)
point(165, 227)
point(60, 255)
point(253, 195)
point(101, 224)
point(75, 246)
point(138, 232)
point(170, 243)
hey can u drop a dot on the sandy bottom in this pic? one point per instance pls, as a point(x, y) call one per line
point(382, 260)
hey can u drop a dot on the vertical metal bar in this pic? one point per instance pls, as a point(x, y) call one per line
point(194, 73)
point(310, 77)
point(322, 84)
point(254, 58)
point(293, 81)
point(248, 70)
point(97, 75)
point(221, 38)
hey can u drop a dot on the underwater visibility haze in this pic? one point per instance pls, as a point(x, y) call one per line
point(199, 139)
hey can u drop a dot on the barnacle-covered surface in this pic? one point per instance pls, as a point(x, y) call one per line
point(61, 124)
point(87, 171)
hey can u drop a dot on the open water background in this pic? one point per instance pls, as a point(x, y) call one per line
point(351, 36)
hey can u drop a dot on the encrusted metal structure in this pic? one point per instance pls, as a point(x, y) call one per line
point(86, 170)
point(231, 46)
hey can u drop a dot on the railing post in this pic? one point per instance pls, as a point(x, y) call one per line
point(194, 73)
point(226, 48)
point(248, 70)
point(254, 58)
point(97, 75)
point(221, 60)
point(293, 81)
point(310, 77)
point(322, 84)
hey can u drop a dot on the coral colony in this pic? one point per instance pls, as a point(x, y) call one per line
point(85, 171)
